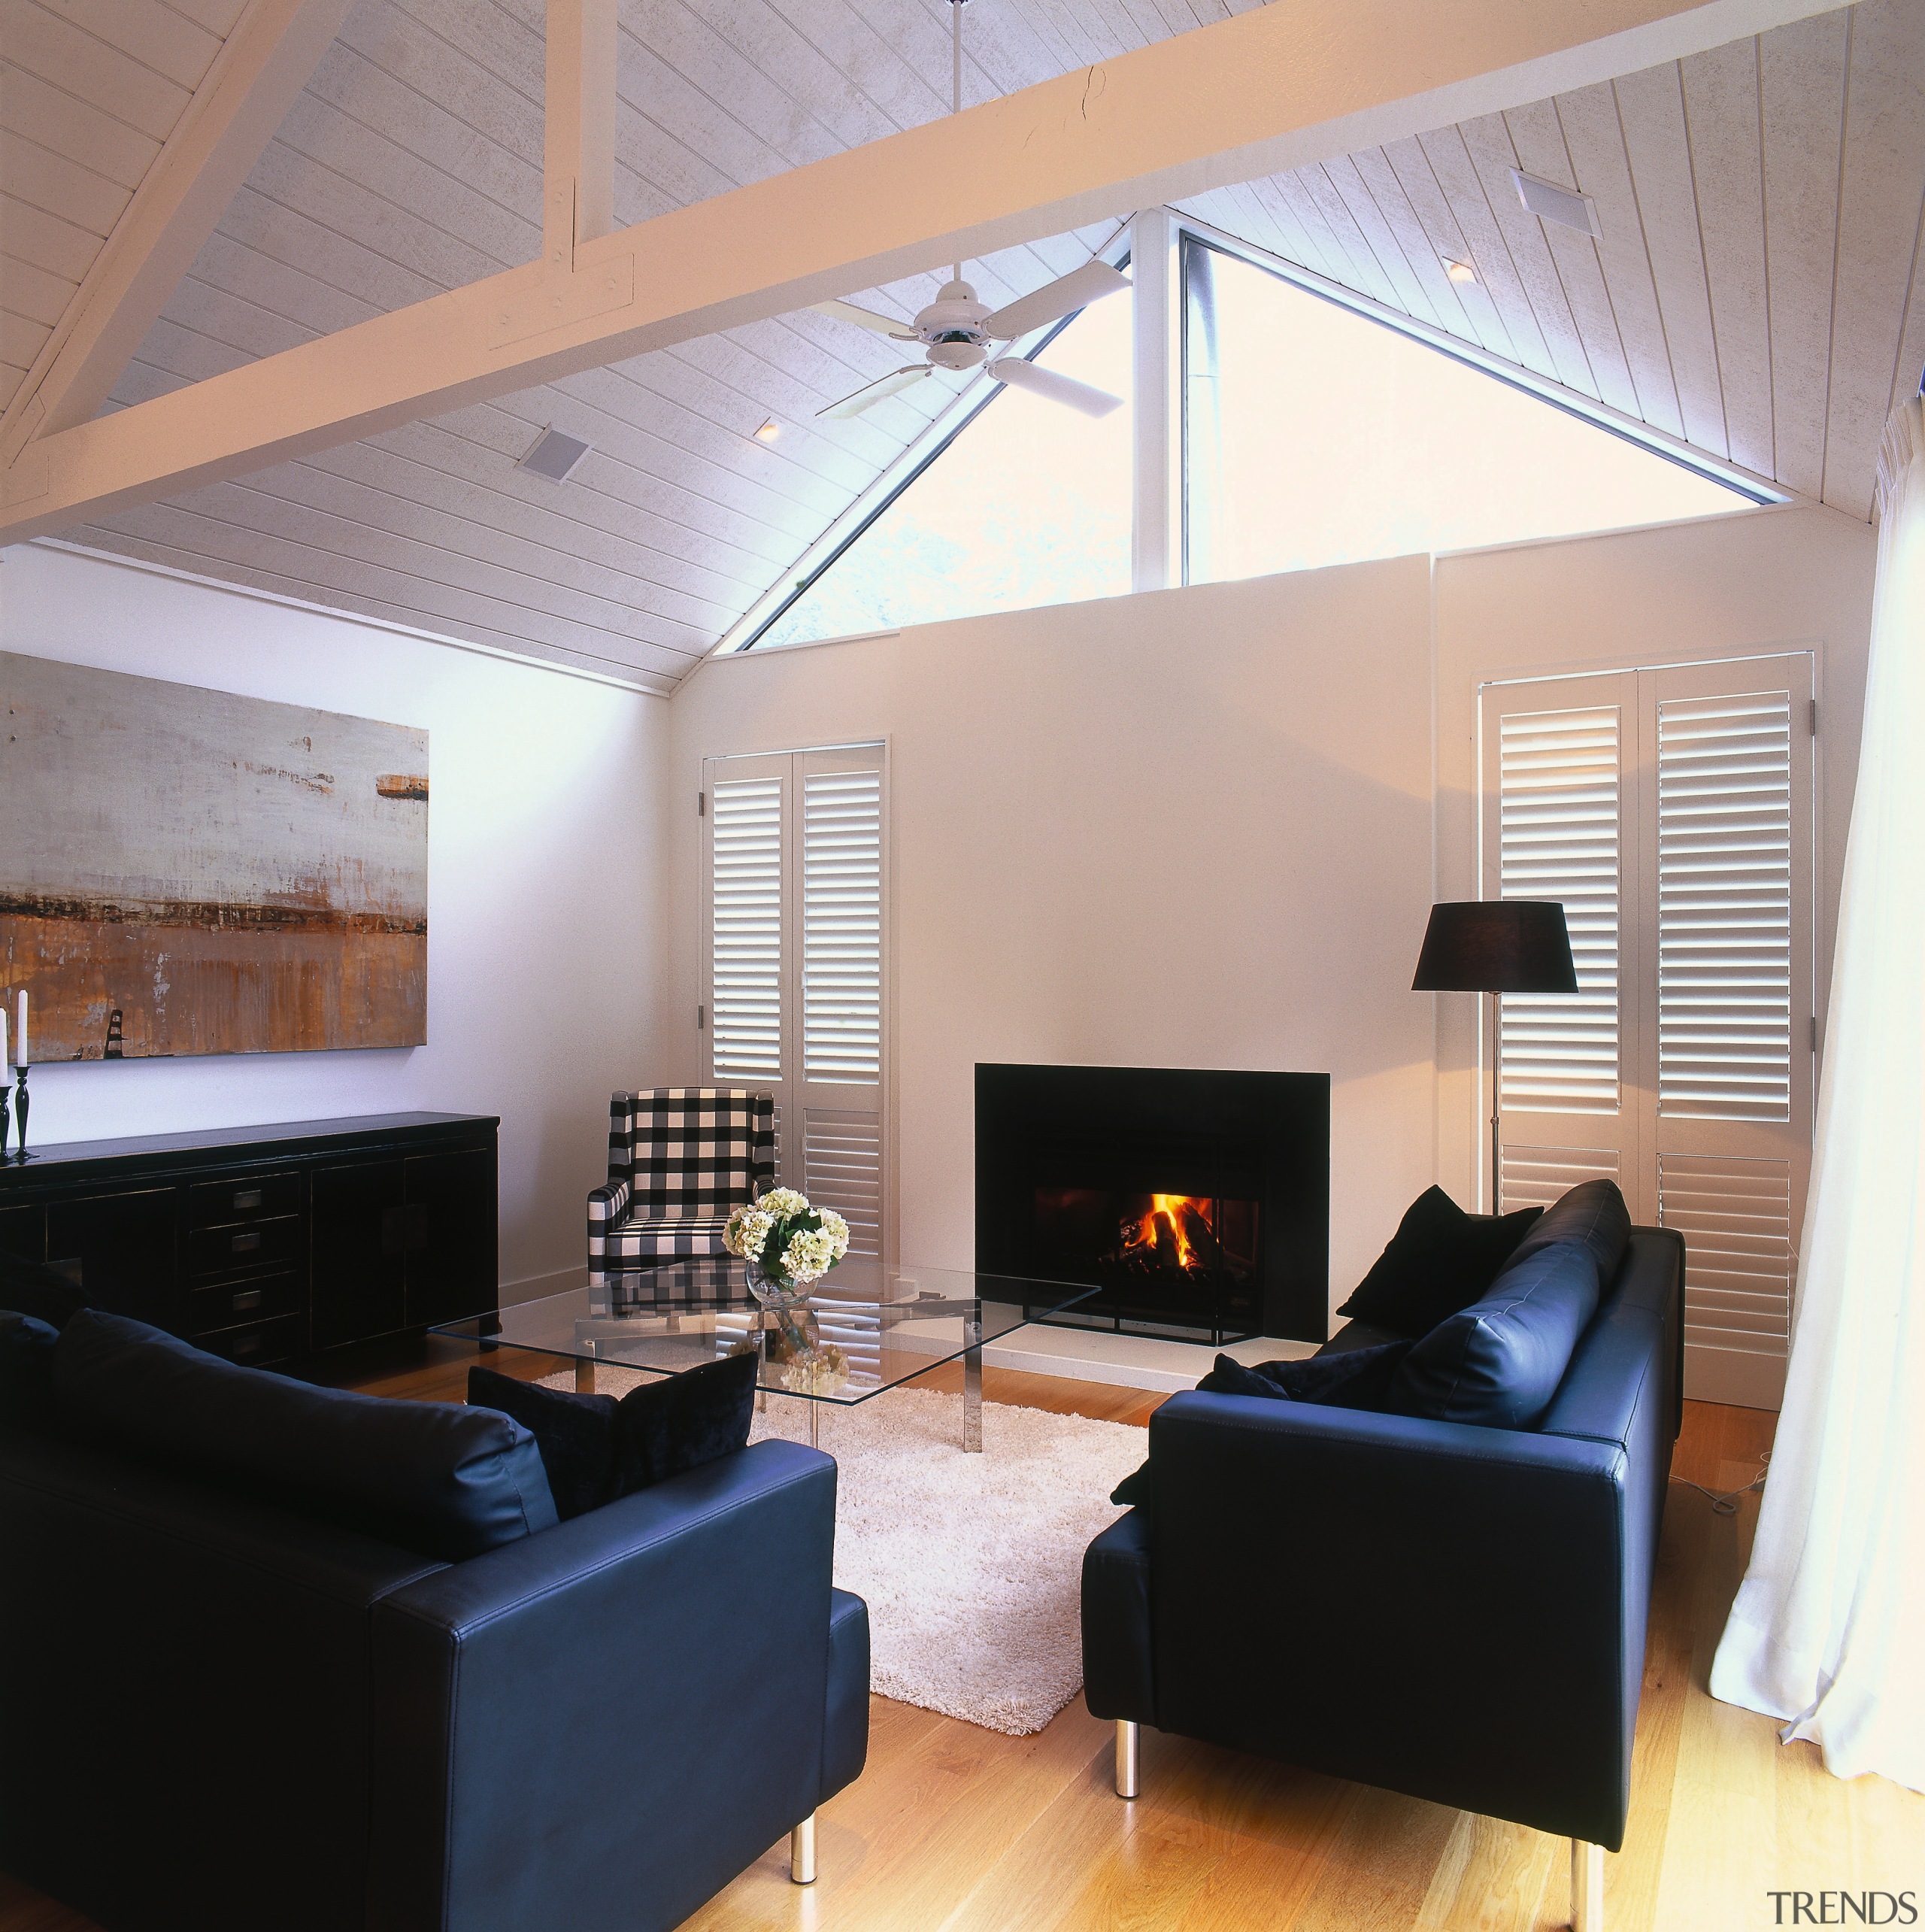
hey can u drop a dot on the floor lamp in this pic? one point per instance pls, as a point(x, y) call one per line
point(1495, 946)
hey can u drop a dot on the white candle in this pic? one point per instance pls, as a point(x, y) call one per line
point(20, 1041)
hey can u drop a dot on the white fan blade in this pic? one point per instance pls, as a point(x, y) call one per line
point(1020, 374)
point(863, 318)
point(1056, 299)
point(873, 392)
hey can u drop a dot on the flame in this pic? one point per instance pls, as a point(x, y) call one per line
point(1175, 1212)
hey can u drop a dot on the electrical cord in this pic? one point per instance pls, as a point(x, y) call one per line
point(1724, 1503)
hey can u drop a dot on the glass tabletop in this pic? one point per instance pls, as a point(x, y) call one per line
point(863, 1329)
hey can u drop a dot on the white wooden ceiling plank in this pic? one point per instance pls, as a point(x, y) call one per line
point(291, 239)
point(20, 339)
point(209, 547)
point(1004, 48)
point(1721, 121)
point(48, 242)
point(364, 484)
point(1364, 271)
point(11, 377)
point(1801, 70)
point(238, 323)
point(346, 79)
point(157, 35)
point(1537, 141)
point(93, 69)
point(770, 44)
point(654, 401)
point(1438, 224)
point(1879, 212)
point(32, 292)
point(659, 97)
point(622, 413)
point(1909, 373)
point(358, 154)
point(1083, 35)
point(642, 508)
point(492, 37)
point(183, 355)
point(1658, 145)
point(282, 289)
point(572, 523)
point(1262, 205)
point(776, 373)
point(655, 170)
point(909, 95)
point(67, 190)
point(70, 127)
point(271, 504)
point(1486, 141)
point(832, 358)
point(1423, 261)
point(687, 44)
point(1293, 191)
point(1592, 137)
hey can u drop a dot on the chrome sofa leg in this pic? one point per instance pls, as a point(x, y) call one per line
point(1587, 1887)
point(1128, 1738)
point(802, 1852)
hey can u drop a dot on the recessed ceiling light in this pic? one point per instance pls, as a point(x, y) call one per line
point(553, 455)
point(768, 432)
point(1459, 271)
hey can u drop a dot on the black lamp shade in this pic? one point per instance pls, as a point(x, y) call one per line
point(1496, 945)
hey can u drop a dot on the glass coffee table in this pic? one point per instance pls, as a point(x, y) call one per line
point(863, 1328)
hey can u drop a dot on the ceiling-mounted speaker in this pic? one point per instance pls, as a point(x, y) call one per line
point(553, 455)
point(1546, 199)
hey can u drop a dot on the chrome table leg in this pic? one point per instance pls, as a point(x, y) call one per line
point(972, 1383)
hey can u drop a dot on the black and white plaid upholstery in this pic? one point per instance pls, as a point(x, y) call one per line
point(680, 1160)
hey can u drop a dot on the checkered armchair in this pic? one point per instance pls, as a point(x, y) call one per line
point(679, 1160)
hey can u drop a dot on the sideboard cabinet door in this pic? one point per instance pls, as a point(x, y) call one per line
point(124, 1242)
point(360, 1264)
point(23, 1233)
point(451, 1272)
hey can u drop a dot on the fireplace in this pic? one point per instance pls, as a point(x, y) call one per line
point(1197, 1201)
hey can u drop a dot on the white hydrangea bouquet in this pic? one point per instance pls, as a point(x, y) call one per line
point(786, 1243)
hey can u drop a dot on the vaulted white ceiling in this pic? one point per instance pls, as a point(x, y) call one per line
point(1756, 291)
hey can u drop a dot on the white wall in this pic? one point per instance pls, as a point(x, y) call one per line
point(1186, 829)
point(544, 929)
point(1765, 580)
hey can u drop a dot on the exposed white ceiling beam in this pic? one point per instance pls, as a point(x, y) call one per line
point(1296, 82)
point(578, 128)
point(254, 80)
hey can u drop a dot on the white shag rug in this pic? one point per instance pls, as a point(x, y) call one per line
point(971, 1565)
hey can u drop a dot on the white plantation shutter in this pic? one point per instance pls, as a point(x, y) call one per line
point(1735, 1218)
point(842, 925)
point(1558, 831)
point(1724, 906)
point(796, 979)
point(746, 900)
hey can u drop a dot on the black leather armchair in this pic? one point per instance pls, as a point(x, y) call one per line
point(1453, 1612)
point(217, 1714)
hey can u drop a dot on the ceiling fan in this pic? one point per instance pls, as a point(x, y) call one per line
point(958, 332)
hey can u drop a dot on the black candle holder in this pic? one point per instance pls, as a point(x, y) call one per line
point(6, 1116)
point(21, 1107)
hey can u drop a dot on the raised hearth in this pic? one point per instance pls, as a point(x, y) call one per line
point(1199, 1201)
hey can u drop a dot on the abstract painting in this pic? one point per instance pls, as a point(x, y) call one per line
point(190, 871)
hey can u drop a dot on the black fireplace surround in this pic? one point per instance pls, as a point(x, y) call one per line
point(1198, 1201)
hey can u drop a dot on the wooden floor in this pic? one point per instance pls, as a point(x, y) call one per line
point(961, 1829)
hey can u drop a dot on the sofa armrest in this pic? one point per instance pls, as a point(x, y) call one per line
point(845, 1724)
point(607, 1205)
point(622, 1712)
point(1119, 1675)
point(1435, 1608)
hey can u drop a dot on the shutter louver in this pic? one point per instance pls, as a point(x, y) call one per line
point(842, 1169)
point(842, 925)
point(1559, 836)
point(747, 1025)
point(1724, 907)
point(1735, 1217)
point(1536, 1176)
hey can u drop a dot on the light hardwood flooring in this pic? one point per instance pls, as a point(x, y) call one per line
point(955, 1829)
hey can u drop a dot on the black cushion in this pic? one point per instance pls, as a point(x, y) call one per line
point(1354, 1378)
point(1593, 1212)
point(31, 1287)
point(26, 1369)
point(1499, 1361)
point(595, 1448)
point(430, 1476)
point(1439, 1260)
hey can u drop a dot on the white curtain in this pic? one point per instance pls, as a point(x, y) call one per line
point(1829, 1626)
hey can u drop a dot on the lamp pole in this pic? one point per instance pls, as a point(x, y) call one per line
point(1496, 1074)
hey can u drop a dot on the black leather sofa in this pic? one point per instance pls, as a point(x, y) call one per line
point(1453, 1611)
point(218, 1714)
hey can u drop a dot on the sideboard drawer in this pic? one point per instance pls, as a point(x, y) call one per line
point(250, 1197)
point(260, 1342)
point(217, 1250)
point(235, 1303)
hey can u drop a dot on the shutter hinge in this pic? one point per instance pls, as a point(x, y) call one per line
point(701, 1017)
point(702, 805)
point(1814, 1032)
point(1815, 718)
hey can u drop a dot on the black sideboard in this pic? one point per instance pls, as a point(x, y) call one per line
point(262, 1244)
